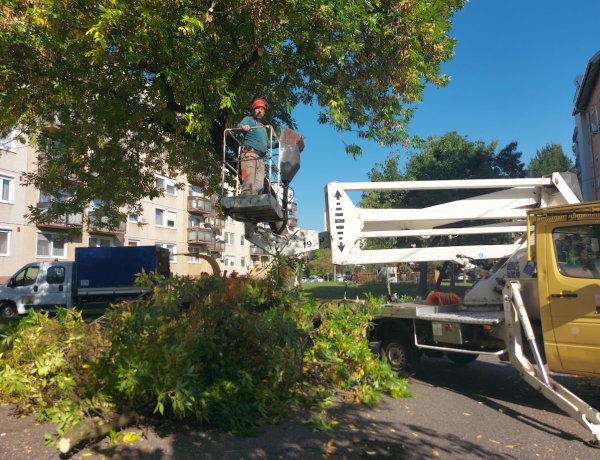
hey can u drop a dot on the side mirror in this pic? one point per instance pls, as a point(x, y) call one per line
point(11, 283)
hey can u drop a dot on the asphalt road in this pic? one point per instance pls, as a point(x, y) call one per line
point(482, 410)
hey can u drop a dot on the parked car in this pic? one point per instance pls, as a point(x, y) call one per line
point(315, 279)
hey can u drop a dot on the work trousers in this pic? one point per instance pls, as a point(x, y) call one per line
point(252, 167)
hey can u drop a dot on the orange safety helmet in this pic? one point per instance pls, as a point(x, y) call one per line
point(259, 103)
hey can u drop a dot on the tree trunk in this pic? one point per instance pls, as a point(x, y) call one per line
point(423, 280)
point(93, 428)
point(443, 270)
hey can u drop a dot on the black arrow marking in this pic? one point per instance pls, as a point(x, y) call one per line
point(341, 247)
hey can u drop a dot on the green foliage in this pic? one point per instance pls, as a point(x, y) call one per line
point(229, 358)
point(232, 353)
point(550, 159)
point(320, 262)
point(341, 360)
point(121, 83)
point(47, 364)
point(321, 421)
point(450, 156)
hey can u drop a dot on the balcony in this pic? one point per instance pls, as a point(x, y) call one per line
point(256, 251)
point(200, 205)
point(201, 235)
point(103, 227)
point(215, 222)
point(218, 246)
point(292, 222)
point(198, 250)
point(63, 221)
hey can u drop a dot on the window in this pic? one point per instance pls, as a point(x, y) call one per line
point(133, 243)
point(577, 250)
point(242, 261)
point(7, 189)
point(194, 190)
point(166, 184)
point(9, 142)
point(163, 218)
point(594, 120)
point(51, 245)
point(171, 219)
point(242, 240)
point(56, 275)
point(229, 261)
point(229, 220)
point(27, 276)
point(4, 242)
point(229, 238)
point(194, 259)
point(133, 214)
point(100, 242)
point(172, 249)
point(61, 198)
point(194, 222)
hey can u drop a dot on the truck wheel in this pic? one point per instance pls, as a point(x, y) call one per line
point(7, 310)
point(401, 357)
point(461, 358)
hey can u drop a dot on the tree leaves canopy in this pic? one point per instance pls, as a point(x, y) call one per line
point(320, 262)
point(113, 91)
point(550, 159)
point(450, 156)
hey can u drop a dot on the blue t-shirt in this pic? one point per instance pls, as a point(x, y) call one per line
point(258, 137)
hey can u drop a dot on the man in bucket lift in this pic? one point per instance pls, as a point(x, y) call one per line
point(254, 148)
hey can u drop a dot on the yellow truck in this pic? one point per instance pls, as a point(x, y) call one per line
point(566, 250)
point(542, 296)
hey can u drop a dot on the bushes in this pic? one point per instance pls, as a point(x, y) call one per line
point(48, 365)
point(229, 358)
point(341, 360)
point(230, 353)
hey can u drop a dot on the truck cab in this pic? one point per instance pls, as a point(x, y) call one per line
point(39, 285)
point(566, 250)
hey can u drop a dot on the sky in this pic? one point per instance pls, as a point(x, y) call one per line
point(511, 79)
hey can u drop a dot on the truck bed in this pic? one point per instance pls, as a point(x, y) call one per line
point(448, 313)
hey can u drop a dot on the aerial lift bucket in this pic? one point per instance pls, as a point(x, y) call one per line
point(270, 207)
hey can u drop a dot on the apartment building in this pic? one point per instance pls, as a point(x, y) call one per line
point(185, 221)
point(586, 136)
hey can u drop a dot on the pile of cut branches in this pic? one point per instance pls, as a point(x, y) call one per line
point(233, 354)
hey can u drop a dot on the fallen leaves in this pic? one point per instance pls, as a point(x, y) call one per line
point(330, 446)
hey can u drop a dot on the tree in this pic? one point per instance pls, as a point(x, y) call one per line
point(320, 262)
point(115, 91)
point(549, 159)
point(450, 156)
point(389, 170)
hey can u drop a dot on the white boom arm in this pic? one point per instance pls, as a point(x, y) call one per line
point(502, 210)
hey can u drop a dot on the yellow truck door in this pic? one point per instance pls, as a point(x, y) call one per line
point(572, 285)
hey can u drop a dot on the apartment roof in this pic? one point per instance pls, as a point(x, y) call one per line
point(590, 77)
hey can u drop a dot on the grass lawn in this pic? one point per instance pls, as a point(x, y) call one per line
point(329, 290)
